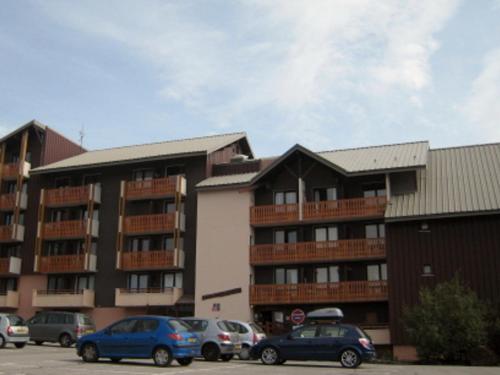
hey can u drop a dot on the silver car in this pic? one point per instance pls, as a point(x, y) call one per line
point(217, 338)
point(13, 330)
point(250, 334)
point(59, 326)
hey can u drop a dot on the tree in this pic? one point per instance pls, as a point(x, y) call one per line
point(448, 323)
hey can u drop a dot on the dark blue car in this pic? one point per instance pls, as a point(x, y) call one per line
point(160, 338)
point(317, 342)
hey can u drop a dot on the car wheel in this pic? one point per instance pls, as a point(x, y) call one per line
point(244, 353)
point(38, 343)
point(2, 342)
point(269, 356)
point(210, 352)
point(162, 357)
point(226, 357)
point(89, 353)
point(350, 358)
point(20, 345)
point(115, 360)
point(185, 361)
point(65, 340)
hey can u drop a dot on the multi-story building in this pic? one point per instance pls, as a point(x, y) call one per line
point(117, 227)
point(361, 229)
point(30, 146)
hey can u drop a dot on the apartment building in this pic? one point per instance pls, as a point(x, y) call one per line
point(32, 145)
point(361, 229)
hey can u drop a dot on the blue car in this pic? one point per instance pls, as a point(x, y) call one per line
point(161, 338)
point(317, 342)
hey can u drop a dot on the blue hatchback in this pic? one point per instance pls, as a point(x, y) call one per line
point(317, 342)
point(161, 338)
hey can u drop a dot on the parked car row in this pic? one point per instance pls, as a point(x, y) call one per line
point(165, 339)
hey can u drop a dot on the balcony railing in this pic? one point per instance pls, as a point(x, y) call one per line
point(345, 291)
point(10, 171)
point(10, 266)
point(69, 229)
point(147, 296)
point(153, 224)
point(324, 251)
point(9, 300)
point(151, 260)
point(155, 188)
point(62, 263)
point(83, 298)
point(318, 211)
point(71, 196)
point(8, 202)
point(8, 233)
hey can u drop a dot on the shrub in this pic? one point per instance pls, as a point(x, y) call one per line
point(448, 323)
point(482, 356)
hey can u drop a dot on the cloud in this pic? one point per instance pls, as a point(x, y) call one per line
point(296, 61)
point(482, 105)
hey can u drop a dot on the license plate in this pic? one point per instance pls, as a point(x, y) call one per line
point(89, 331)
point(21, 330)
point(237, 347)
point(191, 339)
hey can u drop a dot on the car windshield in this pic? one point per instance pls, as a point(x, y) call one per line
point(16, 321)
point(179, 325)
point(256, 328)
point(85, 320)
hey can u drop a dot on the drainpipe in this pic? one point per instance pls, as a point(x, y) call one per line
point(301, 198)
point(388, 187)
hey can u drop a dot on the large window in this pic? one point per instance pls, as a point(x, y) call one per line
point(172, 280)
point(374, 192)
point(175, 170)
point(138, 281)
point(143, 175)
point(286, 276)
point(327, 274)
point(327, 233)
point(375, 231)
point(285, 236)
point(140, 244)
point(285, 197)
point(325, 194)
point(376, 272)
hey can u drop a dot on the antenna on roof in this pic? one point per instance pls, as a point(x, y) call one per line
point(82, 135)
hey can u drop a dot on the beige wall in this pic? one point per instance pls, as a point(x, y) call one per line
point(222, 253)
point(25, 287)
point(104, 316)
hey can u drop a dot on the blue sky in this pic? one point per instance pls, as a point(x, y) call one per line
point(326, 74)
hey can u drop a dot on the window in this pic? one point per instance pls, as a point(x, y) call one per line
point(62, 182)
point(86, 282)
point(169, 207)
point(125, 326)
point(7, 284)
point(376, 192)
point(168, 243)
point(285, 236)
point(179, 326)
point(292, 276)
point(8, 219)
point(172, 280)
point(308, 332)
point(279, 276)
point(146, 325)
point(327, 274)
point(332, 331)
point(143, 175)
point(56, 319)
point(11, 187)
point(57, 215)
point(325, 194)
point(140, 244)
point(175, 170)
point(285, 197)
point(375, 230)
point(427, 270)
point(196, 325)
point(39, 318)
point(138, 281)
point(377, 272)
point(329, 233)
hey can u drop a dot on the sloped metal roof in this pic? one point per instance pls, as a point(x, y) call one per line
point(457, 180)
point(183, 147)
point(368, 159)
point(232, 179)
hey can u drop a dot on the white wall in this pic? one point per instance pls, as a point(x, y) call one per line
point(222, 253)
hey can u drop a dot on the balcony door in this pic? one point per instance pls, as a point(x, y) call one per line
point(325, 194)
point(375, 231)
point(140, 244)
point(138, 281)
point(285, 197)
point(286, 276)
point(327, 274)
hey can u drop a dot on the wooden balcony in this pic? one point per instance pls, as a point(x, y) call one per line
point(152, 260)
point(72, 196)
point(8, 233)
point(67, 263)
point(9, 300)
point(10, 171)
point(342, 209)
point(325, 251)
point(10, 266)
point(147, 297)
point(8, 202)
point(153, 224)
point(84, 298)
point(69, 229)
point(155, 188)
point(345, 291)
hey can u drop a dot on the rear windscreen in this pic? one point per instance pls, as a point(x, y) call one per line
point(256, 328)
point(15, 320)
point(224, 326)
point(85, 320)
point(179, 325)
point(197, 325)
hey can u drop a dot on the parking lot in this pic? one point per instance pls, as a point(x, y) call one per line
point(53, 360)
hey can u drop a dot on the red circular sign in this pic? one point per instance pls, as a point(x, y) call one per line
point(298, 316)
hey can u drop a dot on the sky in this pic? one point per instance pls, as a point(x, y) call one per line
point(326, 74)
